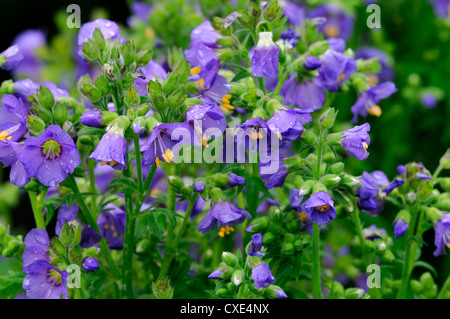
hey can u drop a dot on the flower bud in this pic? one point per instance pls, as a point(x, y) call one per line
point(331, 180)
point(425, 190)
point(287, 248)
point(143, 57)
point(35, 125)
point(258, 225)
point(64, 235)
point(60, 112)
point(151, 123)
point(237, 277)
point(327, 119)
point(132, 98)
point(11, 249)
point(128, 52)
point(176, 98)
point(269, 238)
point(75, 255)
point(45, 97)
point(354, 293)
point(57, 248)
point(91, 92)
point(308, 137)
point(444, 162)
point(162, 288)
point(306, 188)
point(90, 264)
point(229, 258)
point(139, 125)
point(91, 51)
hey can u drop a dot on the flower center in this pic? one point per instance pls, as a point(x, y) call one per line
point(225, 230)
point(341, 78)
point(331, 31)
point(373, 80)
point(55, 277)
point(303, 217)
point(51, 149)
point(375, 111)
point(4, 135)
point(201, 83)
point(323, 208)
point(195, 70)
point(110, 163)
point(226, 106)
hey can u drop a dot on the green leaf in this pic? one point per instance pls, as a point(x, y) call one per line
point(127, 184)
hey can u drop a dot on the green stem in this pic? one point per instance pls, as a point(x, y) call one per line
point(444, 290)
point(93, 189)
point(280, 83)
point(374, 292)
point(169, 255)
point(317, 293)
point(409, 256)
point(90, 220)
point(138, 164)
point(128, 249)
point(37, 211)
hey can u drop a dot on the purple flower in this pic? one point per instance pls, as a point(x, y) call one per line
point(109, 30)
point(151, 72)
point(400, 228)
point(294, 13)
point(295, 199)
point(205, 122)
point(305, 95)
point(290, 37)
point(29, 41)
point(165, 142)
point(204, 63)
point(375, 187)
point(441, 7)
point(265, 205)
point(373, 232)
point(311, 63)
point(254, 134)
point(11, 57)
point(442, 234)
point(112, 225)
point(205, 34)
point(224, 215)
point(235, 180)
point(401, 169)
point(141, 10)
point(92, 118)
point(336, 69)
point(51, 156)
point(216, 274)
point(43, 281)
point(89, 237)
point(386, 72)
point(356, 141)
point(13, 118)
point(25, 88)
point(320, 208)
point(367, 102)
point(9, 157)
point(272, 170)
point(112, 149)
point(255, 246)
point(337, 44)
point(288, 124)
point(90, 264)
point(264, 60)
point(428, 100)
point(338, 24)
point(199, 186)
point(262, 276)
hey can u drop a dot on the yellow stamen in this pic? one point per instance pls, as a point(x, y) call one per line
point(373, 80)
point(111, 163)
point(226, 107)
point(157, 162)
point(255, 135)
point(5, 135)
point(303, 217)
point(201, 83)
point(448, 245)
point(331, 31)
point(204, 140)
point(323, 208)
point(365, 146)
point(154, 193)
point(195, 70)
point(375, 111)
point(279, 136)
point(225, 230)
point(106, 226)
point(341, 78)
point(168, 155)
